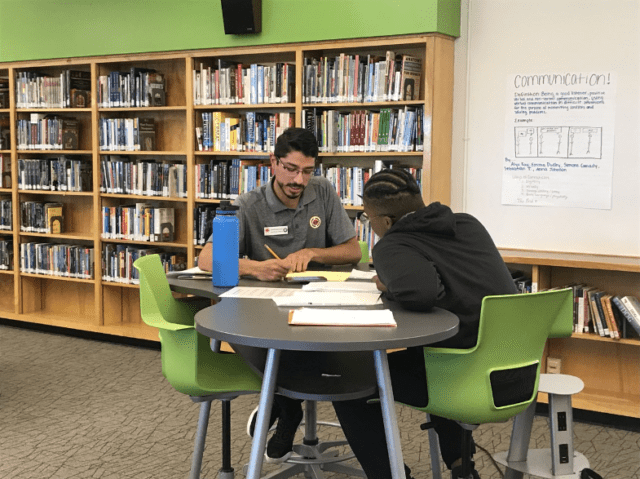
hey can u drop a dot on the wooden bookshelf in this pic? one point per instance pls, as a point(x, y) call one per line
point(101, 306)
point(608, 367)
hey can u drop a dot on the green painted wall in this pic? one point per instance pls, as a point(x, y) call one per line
point(41, 29)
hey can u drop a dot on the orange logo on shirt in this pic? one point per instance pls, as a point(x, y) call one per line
point(315, 222)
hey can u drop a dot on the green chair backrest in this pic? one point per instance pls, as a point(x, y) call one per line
point(478, 385)
point(187, 360)
point(157, 305)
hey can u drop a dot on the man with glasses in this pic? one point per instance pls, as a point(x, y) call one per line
point(301, 219)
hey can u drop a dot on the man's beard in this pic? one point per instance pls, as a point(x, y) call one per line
point(291, 197)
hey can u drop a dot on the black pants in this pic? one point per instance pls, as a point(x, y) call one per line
point(363, 426)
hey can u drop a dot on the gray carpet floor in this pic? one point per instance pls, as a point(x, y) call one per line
point(80, 408)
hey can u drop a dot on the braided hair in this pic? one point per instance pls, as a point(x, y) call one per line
point(394, 191)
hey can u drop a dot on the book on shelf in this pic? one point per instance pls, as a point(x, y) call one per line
point(594, 301)
point(411, 76)
point(78, 84)
point(54, 218)
point(147, 134)
point(605, 301)
point(622, 308)
point(5, 171)
point(6, 254)
point(5, 133)
point(78, 88)
point(6, 215)
point(164, 225)
point(633, 306)
point(69, 133)
point(4, 92)
point(155, 90)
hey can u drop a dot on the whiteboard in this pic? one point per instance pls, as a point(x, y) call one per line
point(521, 37)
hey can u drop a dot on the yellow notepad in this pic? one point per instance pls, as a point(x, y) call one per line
point(328, 275)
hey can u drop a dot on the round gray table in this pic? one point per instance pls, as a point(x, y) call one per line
point(260, 323)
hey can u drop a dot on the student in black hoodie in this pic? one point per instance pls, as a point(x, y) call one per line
point(427, 256)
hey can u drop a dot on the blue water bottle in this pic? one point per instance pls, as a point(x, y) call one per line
point(225, 246)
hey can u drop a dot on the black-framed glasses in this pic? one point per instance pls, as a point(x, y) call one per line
point(293, 170)
point(366, 217)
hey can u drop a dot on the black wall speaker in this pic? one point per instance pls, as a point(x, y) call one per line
point(242, 16)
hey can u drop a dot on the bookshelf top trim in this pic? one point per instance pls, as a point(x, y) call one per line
point(571, 260)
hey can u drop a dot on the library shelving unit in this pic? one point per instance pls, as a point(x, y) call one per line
point(608, 367)
point(100, 304)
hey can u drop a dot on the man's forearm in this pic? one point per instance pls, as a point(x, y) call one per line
point(345, 253)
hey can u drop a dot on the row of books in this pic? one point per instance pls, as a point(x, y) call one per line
point(118, 259)
point(138, 87)
point(127, 134)
point(219, 180)
point(41, 217)
point(69, 89)
point(203, 223)
point(358, 78)
point(228, 83)
point(121, 175)
point(252, 131)
point(522, 281)
point(139, 222)
point(66, 260)
point(364, 232)
point(389, 129)
point(596, 311)
point(6, 254)
point(6, 215)
point(54, 174)
point(44, 132)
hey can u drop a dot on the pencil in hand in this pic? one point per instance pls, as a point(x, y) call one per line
point(273, 253)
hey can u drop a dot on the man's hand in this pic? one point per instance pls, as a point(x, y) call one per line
point(299, 260)
point(271, 270)
point(379, 285)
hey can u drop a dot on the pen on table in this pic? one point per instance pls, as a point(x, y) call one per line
point(273, 253)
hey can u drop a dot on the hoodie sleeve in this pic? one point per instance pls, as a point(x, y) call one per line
point(411, 279)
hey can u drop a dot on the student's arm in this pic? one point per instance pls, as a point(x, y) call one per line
point(345, 253)
point(204, 258)
point(269, 270)
point(409, 277)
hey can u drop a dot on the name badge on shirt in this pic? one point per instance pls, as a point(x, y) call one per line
point(276, 230)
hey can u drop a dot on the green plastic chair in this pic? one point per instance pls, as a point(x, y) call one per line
point(188, 362)
point(364, 249)
point(498, 378)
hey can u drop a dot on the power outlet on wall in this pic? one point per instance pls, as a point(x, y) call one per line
point(554, 365)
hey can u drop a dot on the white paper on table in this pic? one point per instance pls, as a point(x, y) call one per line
point(250, 292)
point(345, 286)
point(341, 317)
point(325, 298)
point(358, 274)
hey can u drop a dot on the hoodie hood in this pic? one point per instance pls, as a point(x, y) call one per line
point(435, 218)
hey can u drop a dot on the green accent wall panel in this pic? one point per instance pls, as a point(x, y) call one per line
point(43, 29)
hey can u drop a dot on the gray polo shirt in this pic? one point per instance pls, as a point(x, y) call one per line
point(319, 221)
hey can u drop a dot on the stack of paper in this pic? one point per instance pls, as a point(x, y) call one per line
point(341, 317)
point(323, 298)
point(345, 286)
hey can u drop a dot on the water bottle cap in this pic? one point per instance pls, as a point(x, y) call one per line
point(225, 205)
